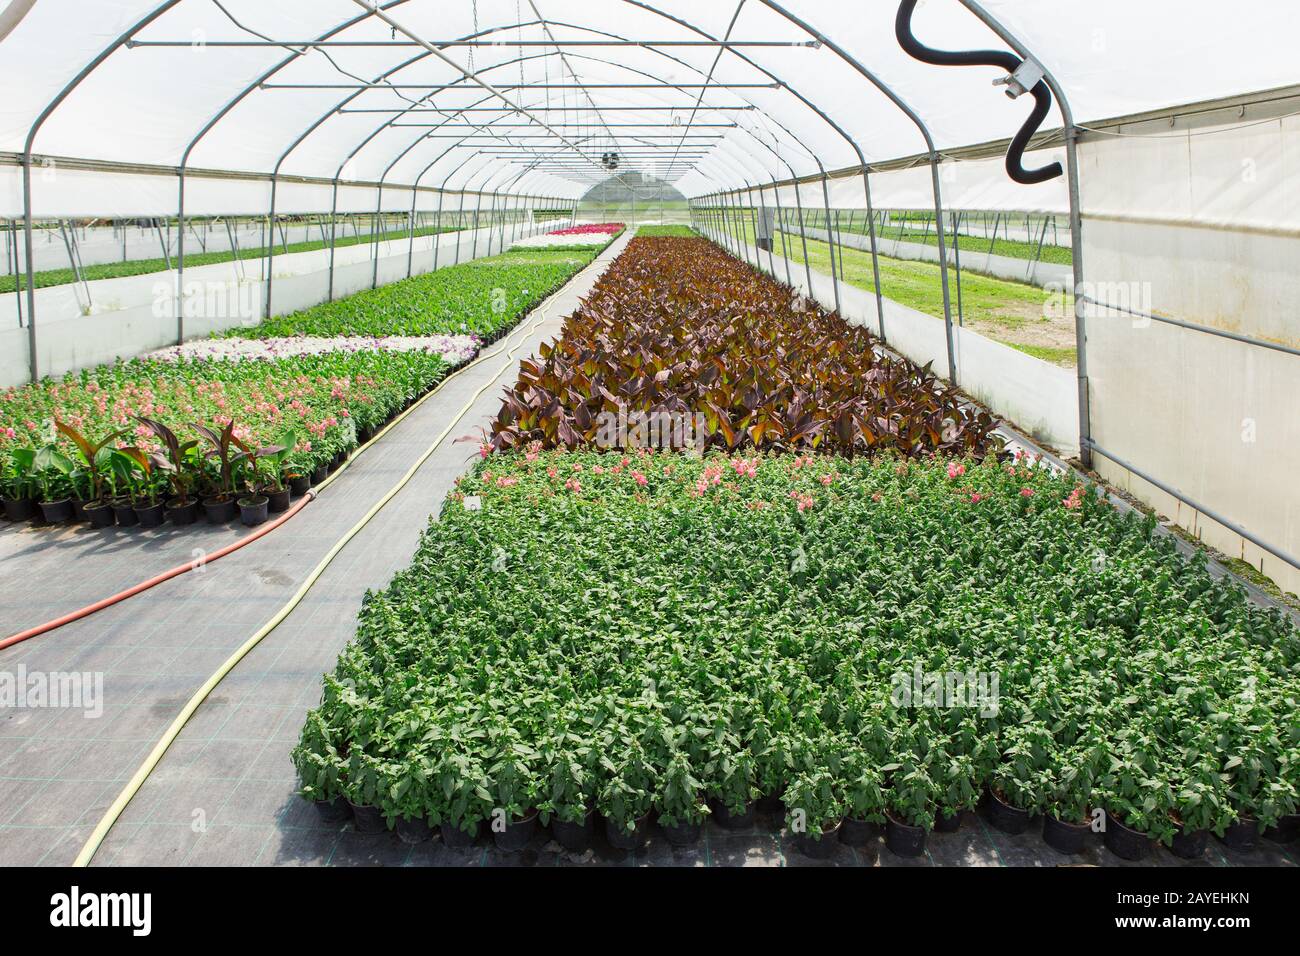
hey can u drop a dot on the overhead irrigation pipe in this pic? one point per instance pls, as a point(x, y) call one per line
point(1024, 75)
point(1076, 225)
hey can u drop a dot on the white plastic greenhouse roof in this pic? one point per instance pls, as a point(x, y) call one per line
point(385, 95)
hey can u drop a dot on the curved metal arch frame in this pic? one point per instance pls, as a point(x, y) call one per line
point(369, 11)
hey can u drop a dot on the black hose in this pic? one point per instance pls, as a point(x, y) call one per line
point(1003, 60)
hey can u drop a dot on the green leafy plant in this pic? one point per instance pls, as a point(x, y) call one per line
point(95, 455)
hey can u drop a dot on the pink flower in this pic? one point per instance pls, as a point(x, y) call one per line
point(976, 498)
point(597, 470)
point(956, 470)
point(574, 485)
point(550, 472)
point(640, 478)
point(827, 479)
point(1075, 500)
point(1026, 492)
point(484, 449)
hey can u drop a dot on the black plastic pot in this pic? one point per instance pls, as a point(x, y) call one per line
point(79, 508)
point(1064, 837)
point(180, 514)
point(220, 509)
point(619, 837)
point(943, 823)
point(365, 434)
point(320, 474)
point(731, 821)
point(55, 512)
point(819, 847)
point(575, 837)
point(252, 510)
point(19, 509)
point(152, 515)
point(858, 832)
point(100, 515)
point(517, 833)
point(903, 839)
point(300, 485)
point(124, 513)
point(1003, 816)
point(1242, 835)
point(339, 459)
point(1286, 831)
point(277, 502)
point(414, 831)
point(772, 804)
point(1190, 846)
point(334, 811)
point(684, 834)
point(1125, 842)
point(368, 819)
point(457, 839)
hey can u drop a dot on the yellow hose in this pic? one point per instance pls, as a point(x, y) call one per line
point(173, 731)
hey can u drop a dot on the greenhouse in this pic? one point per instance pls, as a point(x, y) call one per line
point(620, 433)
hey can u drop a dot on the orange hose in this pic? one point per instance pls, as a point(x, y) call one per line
point(157, 579)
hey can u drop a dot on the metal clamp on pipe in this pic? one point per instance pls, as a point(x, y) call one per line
point(1023, 76)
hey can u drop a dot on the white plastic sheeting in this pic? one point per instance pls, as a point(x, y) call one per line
point(311, 110)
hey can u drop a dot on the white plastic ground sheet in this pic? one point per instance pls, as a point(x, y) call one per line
point(401, 106)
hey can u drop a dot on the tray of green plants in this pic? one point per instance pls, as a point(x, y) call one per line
point(140, 441)
point(678, 327)
point(193, 259)
point(666, 232)
point(668, 637)
point(482, 298)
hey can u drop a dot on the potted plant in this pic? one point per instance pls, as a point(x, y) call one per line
point(222, 506)
point(53, 471)
point(17, 484)
point(1017, 783)
point(142, 494)
point(814, 810)
point(864, 799)
point(1067, 819)
point(955, 790)
point(515, 786)
point(909, 806)
point(568, 807)
point(176, 462)
point(627, 795)
point(406, 798)
point(1136, 797)
point(97, 457)
point(731, 798)
point(681, 805)
point(464, 802)
point(363, 780)
point(273, 457)
point(320, 770)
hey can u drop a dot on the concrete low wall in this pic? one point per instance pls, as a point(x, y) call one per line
point(1040, 399)
point(985, 263)
point(137, 314)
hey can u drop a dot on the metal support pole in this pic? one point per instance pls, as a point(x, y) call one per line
point(270, 245)
point(30, 277)
point(780, 228)
point(410, 247)
point(803, 237)
point(830, 238)
point(334, 219)
point(875, 257)
point(180, 257)
point(956, 258)
point(460, 213)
